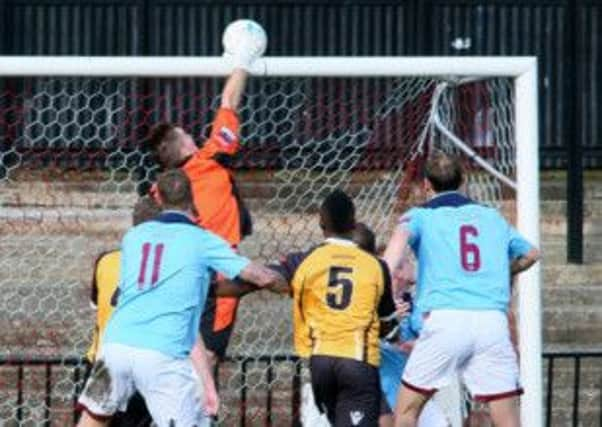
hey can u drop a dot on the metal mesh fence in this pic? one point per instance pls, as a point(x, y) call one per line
point(73, 159)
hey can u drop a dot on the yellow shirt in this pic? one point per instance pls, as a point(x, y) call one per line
point(337, 290)
point(104, 284)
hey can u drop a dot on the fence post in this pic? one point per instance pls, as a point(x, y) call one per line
point(550, 391)
point(573, 137)
point(296, 399)
point(576, 386)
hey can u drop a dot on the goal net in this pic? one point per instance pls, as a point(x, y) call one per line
point(73, 161)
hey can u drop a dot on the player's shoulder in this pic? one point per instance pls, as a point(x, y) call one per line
point(107, 258)
point(345, 250)
point(443, 202)
point(301, 258)
point(368, 257)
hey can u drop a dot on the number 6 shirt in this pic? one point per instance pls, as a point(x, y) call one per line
point(464, 251)
point(163, 283)
point(340, 292)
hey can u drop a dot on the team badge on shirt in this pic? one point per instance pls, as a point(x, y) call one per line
point(226, 136)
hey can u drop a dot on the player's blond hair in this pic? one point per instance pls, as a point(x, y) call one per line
point(444, 172)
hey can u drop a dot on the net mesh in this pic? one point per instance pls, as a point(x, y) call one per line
point(72, 162)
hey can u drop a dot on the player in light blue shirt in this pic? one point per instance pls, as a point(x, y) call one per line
point(163, 283)
point(464, 250)
point(466, 253)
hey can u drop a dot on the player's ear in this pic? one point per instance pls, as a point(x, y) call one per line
point(427, 187)
point(321, 223)
point(157, 197)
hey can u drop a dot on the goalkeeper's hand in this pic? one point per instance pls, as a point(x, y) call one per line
point(244, 57)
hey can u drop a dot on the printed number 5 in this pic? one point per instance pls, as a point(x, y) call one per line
point(339, 288)
point(469, 252)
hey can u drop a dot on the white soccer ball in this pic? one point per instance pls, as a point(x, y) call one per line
point(246, 34)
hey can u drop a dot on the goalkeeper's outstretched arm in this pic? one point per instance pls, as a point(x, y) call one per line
point(234, 88)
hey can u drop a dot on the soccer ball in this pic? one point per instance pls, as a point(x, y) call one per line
point(245, 33)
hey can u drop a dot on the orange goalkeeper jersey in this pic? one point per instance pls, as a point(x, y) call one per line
point(213, 189)
point(218, 206)
point(216, 201)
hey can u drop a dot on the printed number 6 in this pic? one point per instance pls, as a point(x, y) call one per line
point(339, 288)
point(469, 252)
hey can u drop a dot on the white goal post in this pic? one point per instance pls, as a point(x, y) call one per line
point(522, 70)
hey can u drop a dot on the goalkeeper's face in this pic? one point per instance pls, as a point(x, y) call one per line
point(185, 143)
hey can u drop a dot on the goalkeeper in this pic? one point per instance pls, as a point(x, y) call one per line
point(217, 201)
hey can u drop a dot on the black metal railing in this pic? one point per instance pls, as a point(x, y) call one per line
point(20, 364)
point(574, 359)
point(79, 367)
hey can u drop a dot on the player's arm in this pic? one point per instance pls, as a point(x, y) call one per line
point(94, 288)
point(234, 288)
point(234, 89)
point(225, 139)
point(396, 247)
point(524, 262)
point(198, 356)
point(387, 310)
point(522, 254)
point(263, 276)
point(285, 269)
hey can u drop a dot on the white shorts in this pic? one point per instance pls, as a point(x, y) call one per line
point(432, 416)
point(170, 386)
point(473, 344)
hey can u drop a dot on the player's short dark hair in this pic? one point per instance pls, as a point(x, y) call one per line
point(145, 209)
point(444, 172)
point(162, 142)
point(364, 237)
point(174, 190)
point(337, 213)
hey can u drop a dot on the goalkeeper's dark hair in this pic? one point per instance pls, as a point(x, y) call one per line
point(174, 190)
point(337, 213)
point(145, 209)
point(444, 172)
point(162, 143)
point(364, 237)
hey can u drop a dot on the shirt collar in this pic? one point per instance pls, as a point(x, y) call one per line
point(340, 241)
point(446, 193)
point(174, 217)
point(452, 199)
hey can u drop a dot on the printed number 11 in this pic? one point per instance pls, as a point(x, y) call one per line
point(146, 249)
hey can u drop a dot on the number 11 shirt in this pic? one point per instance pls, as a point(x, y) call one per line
point(464, 251)
point(163, 283)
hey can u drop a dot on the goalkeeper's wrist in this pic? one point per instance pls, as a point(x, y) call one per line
point(240, 61)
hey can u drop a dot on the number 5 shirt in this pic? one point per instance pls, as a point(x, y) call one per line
point(163, 283)
point(339, 292)
point(464, 251)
